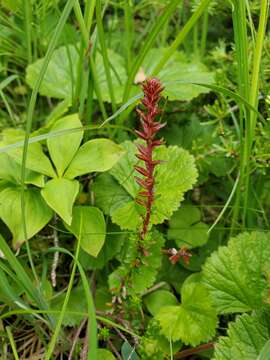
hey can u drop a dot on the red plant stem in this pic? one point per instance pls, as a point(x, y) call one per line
point(152, 89)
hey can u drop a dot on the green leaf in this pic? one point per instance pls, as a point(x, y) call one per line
point(158, 299)
point(113, 243)
point(178, 75)
point(63, 147)
point(37, 213)
point(178, 170)
point(95, 155)
point(186, 229)
point(77, 303)
point(11, 171)
point(61, 76)
point(109, 195)
point(36, 159)
point(236, 275)
point(89, 224)
point(194, 321)
point(60, 195)
point(128, 352)
point(103, 354)
point(247, 338)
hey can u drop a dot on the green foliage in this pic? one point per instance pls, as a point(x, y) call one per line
point(61, 75)
point(237, 274)
point(37, 213)
point(186, 229)
point(60, 195)
point(63, 147)
point(89, 226)
point(246, 338)
point(179, 75)
point(139, 264)
point(192, 322)
point(77, 303)
point(158, 299)
point(94, 155)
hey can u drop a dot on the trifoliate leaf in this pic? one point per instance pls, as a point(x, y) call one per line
point(246, 338)
point(194, 321)
point(62, 148)
point(186, 229)
point(178, 75)
point(236, 275)
point(176, 175)
point(61, 75)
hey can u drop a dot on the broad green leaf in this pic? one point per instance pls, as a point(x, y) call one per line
point(158, 299)
point(60, 195)
point(77, 303)
point(236, 275)
point(246, 339)
point(194, 321)
point(10, 170)
point(186, 229)
point(88, 224)
point(37, 213)
point(178, 75)
point(176, 175)
point(95, 155)
point(36, 159)
point(61, 74)
point(63, 147)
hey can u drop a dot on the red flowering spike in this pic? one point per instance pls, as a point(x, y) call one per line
point(152, 89)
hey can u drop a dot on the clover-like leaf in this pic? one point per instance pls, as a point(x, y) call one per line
point(37, 212)
point(62, 148)
point(246, 339)
point(192, 322)
point(94, 155)
point(236, 275)
point(60, 194)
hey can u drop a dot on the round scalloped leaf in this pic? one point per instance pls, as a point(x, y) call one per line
point(194, 321)
point(237, 275)
point(176, 175)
